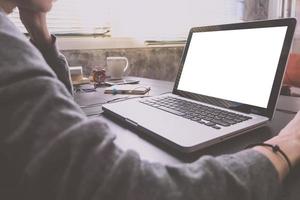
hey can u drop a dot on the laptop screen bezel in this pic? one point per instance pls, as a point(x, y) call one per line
point(290, 23)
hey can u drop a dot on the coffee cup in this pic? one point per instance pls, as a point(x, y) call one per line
point(116, 67)
point(76, 73)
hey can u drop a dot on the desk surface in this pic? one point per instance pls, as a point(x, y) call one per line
point(153, 151)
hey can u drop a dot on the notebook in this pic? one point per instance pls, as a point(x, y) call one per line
point(227, 84)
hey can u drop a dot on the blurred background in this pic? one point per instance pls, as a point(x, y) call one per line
point(151, 33)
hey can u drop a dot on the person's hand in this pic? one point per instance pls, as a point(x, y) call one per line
point(36, 24)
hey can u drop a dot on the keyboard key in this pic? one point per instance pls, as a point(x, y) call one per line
point(219, 122)
point(210, 124)
point(216, 127)
point(200, 121)
point(171, 111)
point(232, 122)
point(207, 118)
point(237, 120)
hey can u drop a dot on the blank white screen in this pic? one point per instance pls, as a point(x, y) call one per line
point(235, 65)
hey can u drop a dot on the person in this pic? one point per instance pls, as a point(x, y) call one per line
point(50, 150)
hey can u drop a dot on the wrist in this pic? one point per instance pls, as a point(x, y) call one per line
point(290, 144)
point(282, 151)
point(42, 38)
point(278, 162)
point(50, 52)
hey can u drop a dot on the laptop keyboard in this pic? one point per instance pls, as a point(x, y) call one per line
point(209, 116)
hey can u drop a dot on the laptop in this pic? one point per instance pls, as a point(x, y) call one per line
point(228, 83)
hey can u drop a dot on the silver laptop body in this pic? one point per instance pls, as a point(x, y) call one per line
point(228, 84)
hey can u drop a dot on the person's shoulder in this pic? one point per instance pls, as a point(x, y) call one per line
point(15, 41)
point(8, 28)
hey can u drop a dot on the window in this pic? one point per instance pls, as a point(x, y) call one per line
point(67, 17)
point(297, 13)
point(146, 19)
point(156, 19)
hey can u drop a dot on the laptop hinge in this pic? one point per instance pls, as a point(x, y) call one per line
point(242, 108)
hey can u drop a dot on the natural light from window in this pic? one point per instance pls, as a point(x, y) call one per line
point(143, 20)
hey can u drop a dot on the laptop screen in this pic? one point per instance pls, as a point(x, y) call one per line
point(235, 65)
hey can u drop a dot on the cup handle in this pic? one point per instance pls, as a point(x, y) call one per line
point(127, 63)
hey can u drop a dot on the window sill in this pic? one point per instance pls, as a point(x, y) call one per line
point(89, 43)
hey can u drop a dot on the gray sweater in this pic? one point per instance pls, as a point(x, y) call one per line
point(50, 150)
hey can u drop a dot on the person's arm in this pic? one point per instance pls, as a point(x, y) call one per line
point(50, 150)
point(36, 25)
point(289, 141)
